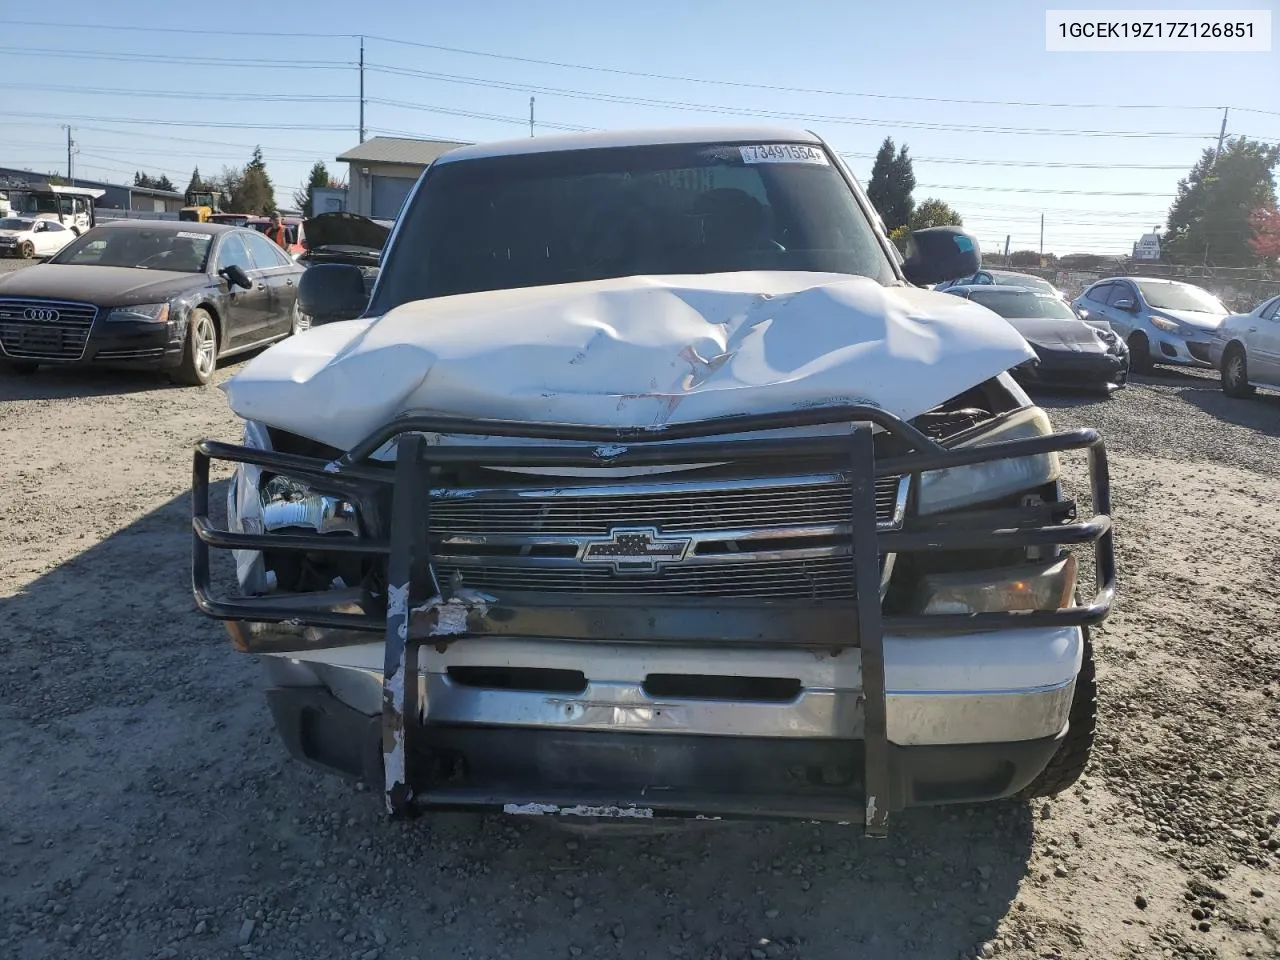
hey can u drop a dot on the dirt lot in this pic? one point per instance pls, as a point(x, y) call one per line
point(147, 810)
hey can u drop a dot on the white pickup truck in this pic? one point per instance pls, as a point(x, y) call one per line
point(648, 483)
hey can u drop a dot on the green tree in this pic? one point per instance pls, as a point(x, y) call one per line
point(892, 180)
point(934, 213)
point(304, 198)
point(252, 192)
point(227, 183)
point(195, 183)
point(1209, 221)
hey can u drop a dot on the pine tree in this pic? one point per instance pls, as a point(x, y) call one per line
point(892, 181)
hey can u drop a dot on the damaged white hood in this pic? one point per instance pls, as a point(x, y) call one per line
point(631, 352)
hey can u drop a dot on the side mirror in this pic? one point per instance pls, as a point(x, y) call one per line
point(236, 276)
point(940, 253)
point(329, 292)
point(1126, 305)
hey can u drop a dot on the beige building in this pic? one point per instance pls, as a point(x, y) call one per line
point(382, 171)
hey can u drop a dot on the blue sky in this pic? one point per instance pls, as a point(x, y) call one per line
point(865, 55)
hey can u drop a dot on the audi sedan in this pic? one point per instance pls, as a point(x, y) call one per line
point(150, 294)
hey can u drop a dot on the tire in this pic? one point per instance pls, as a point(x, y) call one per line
point(26, 250)
point(1235, 372)
point(19, 368)
point(199, 352)
point(1139, 353)
point(1072, 757)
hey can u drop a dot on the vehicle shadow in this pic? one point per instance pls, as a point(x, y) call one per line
point(68, 383)
point(127, 706)
point(1261, 412)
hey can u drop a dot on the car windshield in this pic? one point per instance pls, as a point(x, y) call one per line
point(146, 249)
point(1180, 296)
point(559, 217)
point(36, 203)
point(1023, 304)
point(1030, 283)
point(16, 223)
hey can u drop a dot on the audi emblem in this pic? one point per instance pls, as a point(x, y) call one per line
point(40, 314)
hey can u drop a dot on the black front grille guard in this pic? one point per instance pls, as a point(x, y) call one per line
point(411, 613)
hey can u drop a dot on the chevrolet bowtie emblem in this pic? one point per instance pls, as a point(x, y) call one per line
point(635, 550)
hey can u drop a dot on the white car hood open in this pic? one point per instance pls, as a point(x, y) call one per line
point(631, 352)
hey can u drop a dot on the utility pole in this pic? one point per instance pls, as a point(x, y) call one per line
point(362, 88)
point(1006, 249)
point(1222, 134)
point(70, 144)
point(531, 116)
point(1042, 235)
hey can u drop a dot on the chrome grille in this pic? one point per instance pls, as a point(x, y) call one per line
point(828, 578)
point(147, 353)
point(784, 538)
point(27, 331)
point(694, 507)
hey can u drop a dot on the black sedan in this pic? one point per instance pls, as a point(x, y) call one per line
point(153, 294)
point(1070, 352)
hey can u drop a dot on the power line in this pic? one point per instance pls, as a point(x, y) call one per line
point(473, 115)
point(184, 94)
point(1053, 164)
point(640, 74)
point(206, 31)
point(1073, 193)
point(756, 112)
point(149, 121)
point(195, 61)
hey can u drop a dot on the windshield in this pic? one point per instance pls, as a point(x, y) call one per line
point(1030, 283)
point(1022, 304)
point(36, 203)
point(15, 223)
point(179, 250)
point(550, 218)
point(1180, 296)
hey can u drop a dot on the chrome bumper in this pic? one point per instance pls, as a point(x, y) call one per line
point(974, 688)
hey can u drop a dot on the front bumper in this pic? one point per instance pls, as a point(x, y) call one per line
point(627, 775)
point(422, 617)
point(1065, 368)
point(1192, 351)
point(125, 344)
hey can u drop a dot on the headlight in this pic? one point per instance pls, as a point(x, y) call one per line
point(1169, 326)
point(981, 482)
point(144, 312)
point(1017, 589)
point(289, 503)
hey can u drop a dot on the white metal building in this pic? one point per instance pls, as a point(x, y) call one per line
point(382, 170)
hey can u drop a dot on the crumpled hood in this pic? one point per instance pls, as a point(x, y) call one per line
point(631, 352)
point(1049, 334)
point(1192, 318)
point(14, 233)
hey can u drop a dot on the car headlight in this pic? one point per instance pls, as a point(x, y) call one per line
point(289, 503)
point(1018, 589)
point(1169, 326)
point(982, 482)
point(144, 312)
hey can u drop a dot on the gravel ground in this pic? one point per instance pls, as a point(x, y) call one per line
point(148, 811)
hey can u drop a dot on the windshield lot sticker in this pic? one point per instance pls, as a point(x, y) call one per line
point(191, 236)
point(783, 153)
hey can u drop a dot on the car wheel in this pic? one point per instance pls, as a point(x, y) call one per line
point(200, 352)
point(300, 321)
point(1073, 753)
point(1235, 373)
point(26, 250)
point(20, 368)
point(1139, 353)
